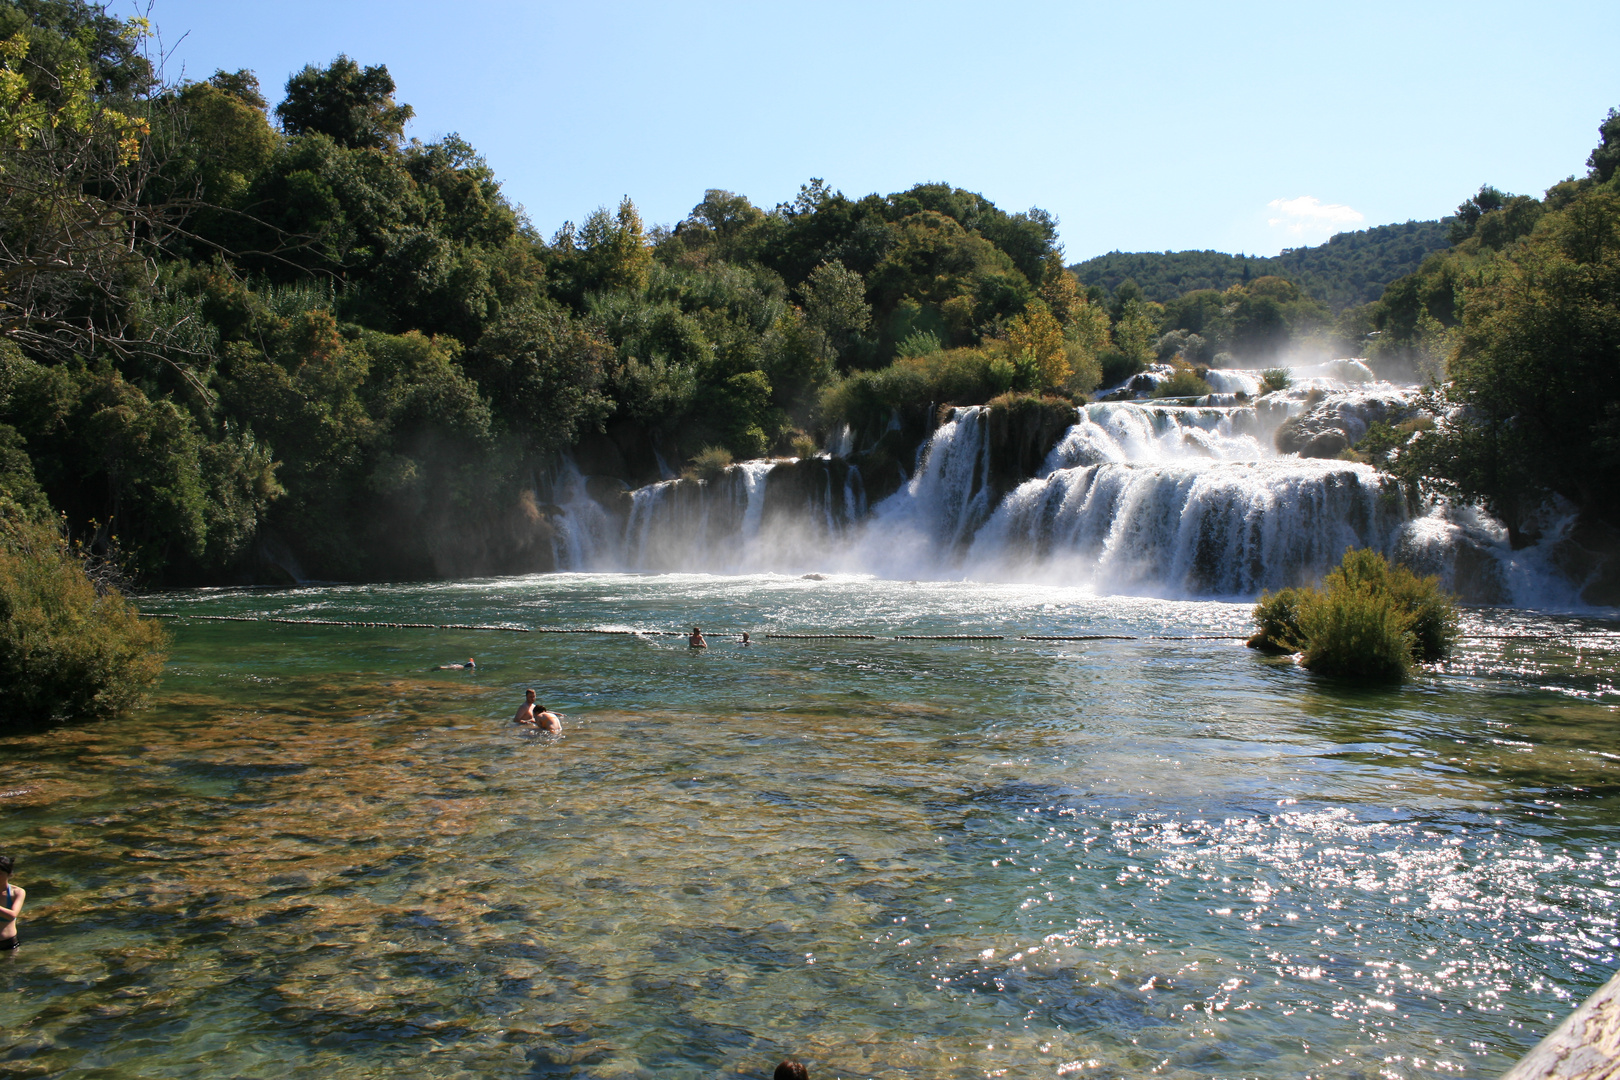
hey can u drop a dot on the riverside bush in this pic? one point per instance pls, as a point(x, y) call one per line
point(1370, 620)
point(709, 464)
point(1277, 616)
point(1275, 379)
point(67, 650)
point(965, 376)
point(1184, 383)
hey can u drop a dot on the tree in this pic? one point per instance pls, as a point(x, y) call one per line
point(1037, 337)
point(835, 306)
point(1136, 331)
point(1538, 363)
point(1605, 158)
point(614, 252)
point(354, 107)
point(75, 225)
point(545, 373)
point(1085, 337)
point(1475, 207)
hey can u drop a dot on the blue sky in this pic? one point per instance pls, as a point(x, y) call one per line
point(1147, 126)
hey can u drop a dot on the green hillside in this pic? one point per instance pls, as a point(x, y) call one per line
point(1351, 268)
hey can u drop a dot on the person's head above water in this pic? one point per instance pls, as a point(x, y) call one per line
point(528, 695)
point(695, 630)
point(745, 637)
point(791, 1070)
point(6, 865)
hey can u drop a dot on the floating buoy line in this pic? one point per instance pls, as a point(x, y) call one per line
point(1590, 637)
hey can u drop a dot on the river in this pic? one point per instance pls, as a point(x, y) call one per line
point(318, 856)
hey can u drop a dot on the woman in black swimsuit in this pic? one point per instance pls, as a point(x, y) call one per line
point(11, 902)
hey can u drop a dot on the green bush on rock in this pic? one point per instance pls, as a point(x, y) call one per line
point(1369, 621)
point(68, 650)
point(710, 464)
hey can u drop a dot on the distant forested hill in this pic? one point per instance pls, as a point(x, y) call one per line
point(1351, 268)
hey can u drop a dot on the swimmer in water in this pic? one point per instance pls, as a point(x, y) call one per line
point(536, 715)
point(745, 640)
point(696, 640)
point(11, 903)
point(470, 665)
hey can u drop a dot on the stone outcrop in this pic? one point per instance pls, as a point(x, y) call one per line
point(1335, 424)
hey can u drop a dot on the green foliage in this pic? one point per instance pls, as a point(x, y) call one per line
point(804, 446)
point(1277, 616)
point(67, 650)
point(710, 463)
point(1369, 621)
point(1605, 158)
point(354, 107)
point(359, 344)
point(1356, 634)
point(919, 343)
point(1277, 378)
point(1533, 335)
point(1350, 268)
point(1184, 382)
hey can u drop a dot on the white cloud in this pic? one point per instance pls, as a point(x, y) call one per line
point(1308, 215)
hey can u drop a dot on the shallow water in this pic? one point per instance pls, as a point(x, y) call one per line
point(317, 857)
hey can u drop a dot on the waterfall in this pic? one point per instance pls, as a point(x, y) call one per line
point(949, 497)
point(1135, 496)
point(583, 536)
point(1227, 529)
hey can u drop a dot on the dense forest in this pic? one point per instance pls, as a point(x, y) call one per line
point(1349, 269)
point(235, 337)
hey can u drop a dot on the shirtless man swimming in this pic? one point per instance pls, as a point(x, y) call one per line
point(534, 714)
point(470, 665)
point(696, 640)
point(11, 902)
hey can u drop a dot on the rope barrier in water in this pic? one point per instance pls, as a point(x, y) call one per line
point(1577, 637)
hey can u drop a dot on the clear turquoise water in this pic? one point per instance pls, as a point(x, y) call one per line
point(318, 857)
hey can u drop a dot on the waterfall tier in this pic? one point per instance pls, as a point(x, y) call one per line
point(1134, 496)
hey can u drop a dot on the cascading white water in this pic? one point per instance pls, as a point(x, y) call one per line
point(1224, 529)
point(1137, 496)
point(582, 533)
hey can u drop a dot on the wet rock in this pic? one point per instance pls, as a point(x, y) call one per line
point(611, 494)
point(1020, 435)
point(1590, 553)
point(1334, 424)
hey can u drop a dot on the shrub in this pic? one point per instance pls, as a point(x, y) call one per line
point(1184, 383)
point(919, 343)
point(1431, 612)
point(1277, 615)
point(1114, 367)
point(958, 376)
point(1370, 620)
point(709, 464)
point(804, 446)
point(1275, 379)
point(1357, 632)
point(67, 650)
